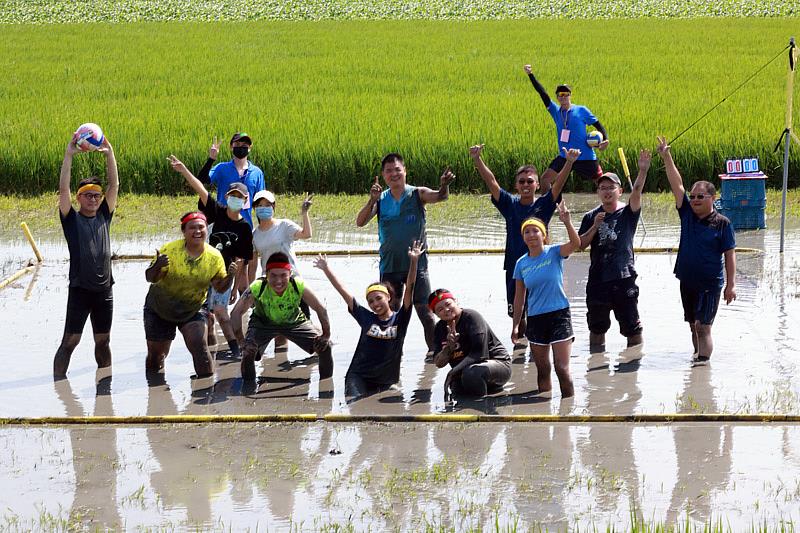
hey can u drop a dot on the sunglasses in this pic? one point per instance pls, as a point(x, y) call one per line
point(699, 196)
point(92, 196)
point(562, 93)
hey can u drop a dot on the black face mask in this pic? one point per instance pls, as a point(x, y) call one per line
point(240, 152)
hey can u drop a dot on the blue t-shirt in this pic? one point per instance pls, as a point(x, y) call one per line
point(400, 223)
point(515, 213)
point(223, 174)
point(544, 278)
point(380, 347)
point(575, 120)
point(703, 242)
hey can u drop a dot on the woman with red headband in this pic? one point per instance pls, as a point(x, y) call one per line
point(480, 363)
point(179, 277)
point(540, 272)
point(376, 362)
point(277, 310)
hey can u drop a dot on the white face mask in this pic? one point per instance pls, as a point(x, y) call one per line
point(235, 203)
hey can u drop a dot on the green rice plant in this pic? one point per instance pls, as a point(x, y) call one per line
point(59, 11)
point(323, 101)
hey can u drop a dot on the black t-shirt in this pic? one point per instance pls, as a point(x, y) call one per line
point(476, 339)
point(89, 248)
point(233, 238)
point(612, 244)
point(380, 346)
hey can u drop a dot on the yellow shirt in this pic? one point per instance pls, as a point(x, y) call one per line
point(180, 294)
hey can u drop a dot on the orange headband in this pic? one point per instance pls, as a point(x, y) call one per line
point(90, 187)
point(534, 222)
point(438, 298)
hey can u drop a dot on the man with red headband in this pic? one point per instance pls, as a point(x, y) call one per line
point(277, 310)
point(87, 233)
point(179, 277)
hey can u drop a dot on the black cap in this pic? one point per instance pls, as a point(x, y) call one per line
point(241, 136)
point(563, 88)
point(611, 177)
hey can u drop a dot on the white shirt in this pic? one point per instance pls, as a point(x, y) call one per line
point(278, 238)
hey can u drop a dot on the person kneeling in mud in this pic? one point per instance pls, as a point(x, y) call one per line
point(276, 300)
point(376, 362)
point(480, 363)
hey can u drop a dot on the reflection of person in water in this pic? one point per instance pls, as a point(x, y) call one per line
point(703, 451)
point(94, 457)
point(376, 361)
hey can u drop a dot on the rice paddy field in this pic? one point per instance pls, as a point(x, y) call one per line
point(324, 100)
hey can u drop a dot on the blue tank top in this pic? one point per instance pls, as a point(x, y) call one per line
point(400, 223)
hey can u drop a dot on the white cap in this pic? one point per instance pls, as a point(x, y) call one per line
point(264, 194)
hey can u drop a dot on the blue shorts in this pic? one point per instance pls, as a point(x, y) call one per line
point(700, 305)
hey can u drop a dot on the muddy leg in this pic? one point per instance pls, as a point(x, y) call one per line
point(705, 345)
point(541, 357)
point(156, 354)
point(693, 329)
point(194, 335)
point(561, 351)
point(102, 350)
point(64, 353)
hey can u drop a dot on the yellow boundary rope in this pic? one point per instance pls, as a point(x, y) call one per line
point(762, 418)
point(442, 251)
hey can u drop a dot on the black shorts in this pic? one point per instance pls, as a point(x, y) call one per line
point(700, 305)
point(157, 329)
point(585, 168)
point(511, 290)
point(620, 296)
point(422, 286)
point(82, 304)
point(550, 328)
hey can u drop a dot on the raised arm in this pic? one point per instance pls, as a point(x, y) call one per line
point(193, 182)
point(673, 175)
point(313, 302)
point(213, 152)
point(112, 176)
point(414, 252)
point(306, 232)
point(442, 358)
point(486, 175)
point(574, 243)
point(635, 199)
point(429, 196)
point(64, 194)
point(371, 207)
point(321, 262)
point(222, 284)
point(586, 238)
point(156, 271)
point(538, 86)
point(571, 156)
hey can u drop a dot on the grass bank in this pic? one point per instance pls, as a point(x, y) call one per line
point(146, 214)
point(323, 101)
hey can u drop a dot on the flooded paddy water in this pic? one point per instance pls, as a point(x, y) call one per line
point(411, 475)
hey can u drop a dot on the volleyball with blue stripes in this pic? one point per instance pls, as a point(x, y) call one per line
point(594, 138)
point(88, 137)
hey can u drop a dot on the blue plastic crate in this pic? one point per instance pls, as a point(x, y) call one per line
point(744, 190)
point(743, 218)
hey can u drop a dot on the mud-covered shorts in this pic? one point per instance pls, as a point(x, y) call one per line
point(620, 296)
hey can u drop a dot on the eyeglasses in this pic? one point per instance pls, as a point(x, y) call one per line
point(92, 196)
point(528, 180)
point(606, 188)
point(699, 196)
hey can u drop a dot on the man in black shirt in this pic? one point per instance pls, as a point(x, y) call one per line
point(233, 237)
point(610, 228)
point(87, 233)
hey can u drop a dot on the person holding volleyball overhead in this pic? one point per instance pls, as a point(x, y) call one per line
point(540, 272)
point(571, 121)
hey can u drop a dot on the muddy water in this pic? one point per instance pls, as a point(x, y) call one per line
point(285, 475)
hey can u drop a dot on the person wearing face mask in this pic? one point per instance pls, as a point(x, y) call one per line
point(609, 228)
point(571, 121)
point(375, 366)
point(231, 235)
point(521, 206)
point(87, 233)
point(239, 169)
point(479, 362)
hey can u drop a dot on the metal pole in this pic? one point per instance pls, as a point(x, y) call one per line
point(786, 142)
point(788, 134)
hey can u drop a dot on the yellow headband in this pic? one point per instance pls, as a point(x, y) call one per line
point(535, 222)
point(90, 187)
point(377, 287)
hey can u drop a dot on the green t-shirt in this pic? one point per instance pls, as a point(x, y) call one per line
point(180, 294)
point(281, 310)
